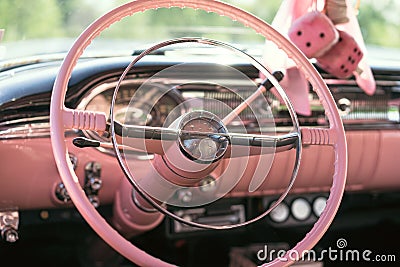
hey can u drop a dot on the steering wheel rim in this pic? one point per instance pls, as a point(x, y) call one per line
point(58, 116)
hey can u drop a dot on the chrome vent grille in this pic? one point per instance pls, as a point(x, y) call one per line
point(230, 99)
point(358, 110)
point(373, 111)
point(361, 108)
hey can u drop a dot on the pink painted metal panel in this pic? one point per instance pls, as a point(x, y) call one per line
point(29, 173)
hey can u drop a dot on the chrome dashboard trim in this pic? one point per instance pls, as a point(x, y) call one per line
point(353, 82)
point(23, 121)
point(34, 130)
point(42, 130)
point(30, 130)
point(38, 127)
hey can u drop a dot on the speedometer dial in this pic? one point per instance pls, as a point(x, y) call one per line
point(149, 106)
point(137, 114)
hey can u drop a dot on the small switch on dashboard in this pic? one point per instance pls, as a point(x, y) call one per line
point(93, 182)
point(9, 221)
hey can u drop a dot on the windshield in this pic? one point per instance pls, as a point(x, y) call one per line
point(48, 27)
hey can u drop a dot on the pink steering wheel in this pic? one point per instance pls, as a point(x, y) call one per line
point(62, 118)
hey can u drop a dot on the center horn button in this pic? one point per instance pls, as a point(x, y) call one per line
point(203, 140)
point(203, 137)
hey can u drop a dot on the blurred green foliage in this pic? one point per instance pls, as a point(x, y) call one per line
point(380, 22)
point(37, 19)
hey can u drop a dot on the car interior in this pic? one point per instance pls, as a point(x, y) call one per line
point(276, 146)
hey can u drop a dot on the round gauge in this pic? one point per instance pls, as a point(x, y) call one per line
point(99, 103)
point(138, 113)
point(280, 213)
point(134, 105)
point(301, 209)
point(319, 205)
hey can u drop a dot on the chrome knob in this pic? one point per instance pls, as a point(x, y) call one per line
point(62, 193)
point(185, 195)
point(94, 184)
point(344, 106)
point(94, 200)
point(9, 221)
point(10, 235)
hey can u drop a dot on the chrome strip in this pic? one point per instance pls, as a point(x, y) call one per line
point(33, 130)
point(26, 131)
point(25, 120)
point(42, 130)
point(353, 82)
point(164, 81)
point(38, 127)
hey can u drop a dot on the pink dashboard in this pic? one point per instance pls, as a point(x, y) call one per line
point(372, 167)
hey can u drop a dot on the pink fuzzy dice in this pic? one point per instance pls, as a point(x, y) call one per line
point(343, 58)
point(313, 33)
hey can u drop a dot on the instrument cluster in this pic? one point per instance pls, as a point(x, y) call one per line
point(156, 105)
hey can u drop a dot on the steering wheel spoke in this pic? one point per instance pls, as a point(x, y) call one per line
point(158, 139)
point(152, 140)
point(318, 136)
point(242, 145)
point(84, 120)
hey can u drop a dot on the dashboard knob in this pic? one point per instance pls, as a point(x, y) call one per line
point(319, 205)
point(280, 213)
point(94, 200)
point(62, 193)
point(344, 106)
point(185, 196)
point(10, 235)
point(301, 209)
point(208, 184)
point(9, 221)
point(94, 184)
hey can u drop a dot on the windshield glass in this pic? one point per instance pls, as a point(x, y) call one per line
point(50, 26)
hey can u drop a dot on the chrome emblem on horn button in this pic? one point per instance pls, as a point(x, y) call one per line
point(203, 137)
